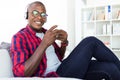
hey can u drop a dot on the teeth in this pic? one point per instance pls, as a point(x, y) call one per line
point(38, 22)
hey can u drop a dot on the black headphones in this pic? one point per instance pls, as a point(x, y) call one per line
point(26, 15)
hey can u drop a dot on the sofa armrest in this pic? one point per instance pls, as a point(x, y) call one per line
point(5, 64)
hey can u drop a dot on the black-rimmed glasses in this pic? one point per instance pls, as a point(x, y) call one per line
point(37, 13)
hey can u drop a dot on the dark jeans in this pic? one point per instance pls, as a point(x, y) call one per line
point(78, 64)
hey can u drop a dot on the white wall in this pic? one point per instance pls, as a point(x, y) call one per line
point(78, 5)
point(71, 23)
point(102, 2)
point(11, 18)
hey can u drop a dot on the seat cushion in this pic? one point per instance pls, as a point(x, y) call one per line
point(39, 78)
point(5, 64)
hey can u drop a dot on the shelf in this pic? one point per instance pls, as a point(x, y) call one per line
point(116, 50)
point(116, 35)
point(102, 21)
point(115, 20)
point(88, 21)
point(103, 35)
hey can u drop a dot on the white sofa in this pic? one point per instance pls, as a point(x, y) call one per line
point(5, 64)
point(6, 67)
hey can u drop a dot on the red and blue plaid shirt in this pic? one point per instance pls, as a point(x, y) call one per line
point(23, 45)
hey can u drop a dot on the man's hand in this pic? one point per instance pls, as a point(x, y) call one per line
point(54, 34)
point(61, 35)
point(50, 36)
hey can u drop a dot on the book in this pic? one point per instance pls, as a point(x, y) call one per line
point(118, 15)
point(100, 16)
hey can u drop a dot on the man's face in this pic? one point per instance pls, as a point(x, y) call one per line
point(36, 16)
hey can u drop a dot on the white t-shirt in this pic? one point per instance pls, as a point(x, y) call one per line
point(52, 60)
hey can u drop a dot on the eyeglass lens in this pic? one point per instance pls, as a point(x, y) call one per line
point(37, 13)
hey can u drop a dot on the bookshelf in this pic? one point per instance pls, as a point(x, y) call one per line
point(102, 22)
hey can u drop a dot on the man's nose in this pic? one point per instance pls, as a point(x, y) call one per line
point(40, 17)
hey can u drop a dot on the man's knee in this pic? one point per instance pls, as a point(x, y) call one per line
point(90, 38)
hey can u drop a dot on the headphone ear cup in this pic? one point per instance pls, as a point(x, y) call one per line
point(26, 15)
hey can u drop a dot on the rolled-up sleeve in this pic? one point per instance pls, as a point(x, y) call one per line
point(19, 55)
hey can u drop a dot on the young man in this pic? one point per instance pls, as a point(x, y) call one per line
point(35, 53)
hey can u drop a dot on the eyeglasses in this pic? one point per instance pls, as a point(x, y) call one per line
point(37, 13)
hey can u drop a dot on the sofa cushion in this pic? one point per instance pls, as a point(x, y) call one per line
point(38, 78)
point(5, 45)
point(5, 64)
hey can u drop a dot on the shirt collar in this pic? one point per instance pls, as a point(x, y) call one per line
point(32, 31)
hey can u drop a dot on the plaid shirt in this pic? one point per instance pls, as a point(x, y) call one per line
point(23, 45)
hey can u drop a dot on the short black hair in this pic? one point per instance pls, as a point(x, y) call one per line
point(35, 2)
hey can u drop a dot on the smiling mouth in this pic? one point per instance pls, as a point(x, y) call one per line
point(38, 22)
